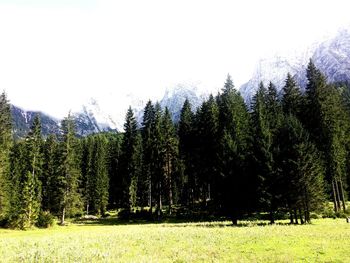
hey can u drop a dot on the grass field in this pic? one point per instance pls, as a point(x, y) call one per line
point(326, 240)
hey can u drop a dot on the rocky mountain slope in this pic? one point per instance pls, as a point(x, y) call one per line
point(332, 57)
point(92, 119)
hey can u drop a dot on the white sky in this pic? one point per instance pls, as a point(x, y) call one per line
point(54, 55)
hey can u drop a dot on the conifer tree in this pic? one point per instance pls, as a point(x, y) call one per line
point(158, 160)
point(113, 160)
point(5, 148)
point(170, 154)
point(326, 121)
point(234, 149)
point(129, 168)
point(51, 166)
point(186, 147)
point(102, 180)
point(263, 152)
point(292, 97)
point(206, 161)
point(70, 197)
point(301, 171)
point(27, 162)
point(31, 194)
point(145, 187)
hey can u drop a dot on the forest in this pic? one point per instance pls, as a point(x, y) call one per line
point(285, 154)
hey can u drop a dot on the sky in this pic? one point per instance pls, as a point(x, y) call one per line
point(56, 54)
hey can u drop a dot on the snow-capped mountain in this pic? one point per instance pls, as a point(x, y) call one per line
point(92, 118)
point(332, 57)
point(175, 98)
point(22, 121)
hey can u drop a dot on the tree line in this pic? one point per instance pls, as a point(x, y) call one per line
point(286, 152)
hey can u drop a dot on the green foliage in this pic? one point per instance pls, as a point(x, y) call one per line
point(68, 180)
point(131, 154)
point(45, 220)
point(5, 146)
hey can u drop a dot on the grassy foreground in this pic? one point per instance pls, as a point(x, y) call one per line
point(326, 240)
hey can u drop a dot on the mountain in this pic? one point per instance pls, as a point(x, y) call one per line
point(87, 121)
point(332, 57)
point(22, 121)
point(91, 118)
point(175, 98)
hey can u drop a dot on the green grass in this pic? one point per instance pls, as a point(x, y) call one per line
point(326, 240)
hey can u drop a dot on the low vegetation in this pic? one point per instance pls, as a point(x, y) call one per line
point(326, 240)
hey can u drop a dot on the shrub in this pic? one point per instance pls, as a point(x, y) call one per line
point(45, 220)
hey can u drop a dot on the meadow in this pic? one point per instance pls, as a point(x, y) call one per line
point(325, 240)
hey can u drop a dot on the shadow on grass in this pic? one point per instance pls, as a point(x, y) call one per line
point(175, 222)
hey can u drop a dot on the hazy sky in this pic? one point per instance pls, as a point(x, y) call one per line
point(56, 54)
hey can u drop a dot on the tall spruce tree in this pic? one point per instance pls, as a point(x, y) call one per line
point(145, 187)
point(326, 121)
point(70, 174)
point(206, 161)
point(263, 152)
point(301, 171)
point(129, 167)
point(5, 148)
point(170, 155)
point(292, 97)
point(234, 149)
point(31, 194)
point(186, 151)
point(158, 160)
point(102, 179)
point(51, 167)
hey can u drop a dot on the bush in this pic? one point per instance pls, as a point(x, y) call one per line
point(125, 214)
point(340, 214)
point(45, 220)
point(4, 222)
point(314, 216)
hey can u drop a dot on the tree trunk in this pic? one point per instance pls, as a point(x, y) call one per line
point(334, 197)
point(170, 188)
point(234, 221)
point(342, 194)
point(296, 216)
point(272, 218)
point(291, 217)
point(63, 216)
point(307, 208)
point(301, 217)
point(337, 194)
point(150, 196)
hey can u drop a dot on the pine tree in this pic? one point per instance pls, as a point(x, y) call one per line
point(113, 160)
point(263, 152)
point(206, 155)
point(70, 197)
point(186, 146)
point(26, 166)
point(145, 187)
point(129, 167)
point(292, 97)
point(301, 171)
point(102, 180)
point(170, 154)
point(158, 160)
point(234, 149)
point(50, 195)
point(31, 194)
point(326, 121)
point(5, 148)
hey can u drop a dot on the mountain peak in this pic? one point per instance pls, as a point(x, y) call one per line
point(331, 56)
